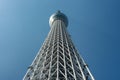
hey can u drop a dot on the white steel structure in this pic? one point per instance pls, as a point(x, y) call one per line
point(58, 58)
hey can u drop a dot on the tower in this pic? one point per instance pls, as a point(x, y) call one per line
point(58, 58)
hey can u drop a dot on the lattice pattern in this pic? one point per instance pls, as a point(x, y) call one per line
point(58, 59)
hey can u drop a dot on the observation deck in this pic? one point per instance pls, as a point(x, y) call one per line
point(58, 16)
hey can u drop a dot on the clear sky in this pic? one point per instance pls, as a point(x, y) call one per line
point(93, 24)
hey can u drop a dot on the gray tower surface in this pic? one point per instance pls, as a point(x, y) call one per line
point(58, 58)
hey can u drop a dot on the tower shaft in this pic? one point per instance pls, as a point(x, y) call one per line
point(58, 58)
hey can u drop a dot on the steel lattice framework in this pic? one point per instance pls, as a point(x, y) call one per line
point(58, 58)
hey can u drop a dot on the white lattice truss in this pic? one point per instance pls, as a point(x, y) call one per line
point(58, 59)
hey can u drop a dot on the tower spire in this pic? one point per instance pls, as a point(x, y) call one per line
point(58, 11)
point(58, 58)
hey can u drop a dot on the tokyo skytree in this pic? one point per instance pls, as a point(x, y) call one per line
point(58, 58)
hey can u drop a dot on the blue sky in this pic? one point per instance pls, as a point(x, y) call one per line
point(93, 24)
